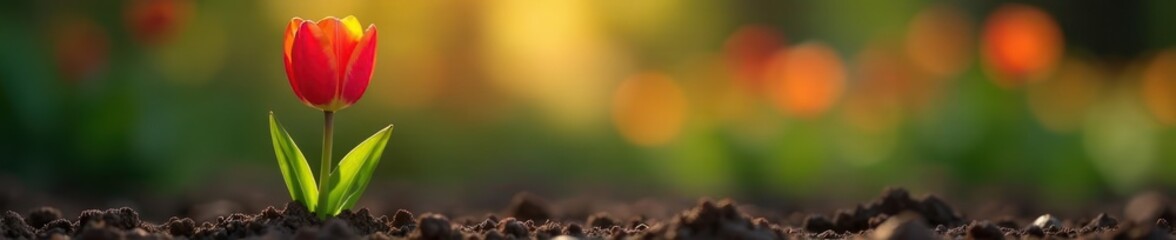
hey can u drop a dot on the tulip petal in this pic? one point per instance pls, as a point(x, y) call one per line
point(291, 31)
point(328, 25)
point(340, 38)
point(354, 30)
point(315, 65)
point(359, 68)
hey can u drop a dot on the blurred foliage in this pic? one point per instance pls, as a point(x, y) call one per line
point(745, 98)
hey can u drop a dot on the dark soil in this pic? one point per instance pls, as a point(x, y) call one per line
point(893, 215)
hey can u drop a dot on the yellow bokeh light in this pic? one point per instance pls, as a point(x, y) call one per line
point(280, 11)
point(1159, 87)
point(550, 55)
point(1120, 139)
point(939, 40)
point(873, 105)
point(649, 109)
point(1021, 44)
point(413, 70)
point(197, 55)
point(806, 80)
point(704, 77)
point(1061, 102)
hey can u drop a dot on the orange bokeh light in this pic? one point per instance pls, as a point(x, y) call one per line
point(1021, 44)
point(747, 54)
point(1159, 87)
point(806, 79)
point(649, 109)
point(939, 41)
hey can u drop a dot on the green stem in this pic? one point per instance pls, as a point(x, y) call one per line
point(326, 162)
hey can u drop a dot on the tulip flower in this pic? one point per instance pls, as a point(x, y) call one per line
point(329, 64)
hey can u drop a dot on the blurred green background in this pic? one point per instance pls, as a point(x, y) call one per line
point(1057, 101)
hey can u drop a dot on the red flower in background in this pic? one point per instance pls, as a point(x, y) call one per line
point(81, 49)
point(748, 53)
point(155, 22)
point(329, 62)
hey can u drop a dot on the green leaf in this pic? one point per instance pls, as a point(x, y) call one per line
point(351, 177)
point(296, 172)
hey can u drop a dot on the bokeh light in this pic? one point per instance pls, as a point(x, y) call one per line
point(419, 69)
point(874, 103)
point(728, 100)
point(280, 11)
point(939, 40)
point(1022, 44)
point(649, 109)
point(1159, 87)
point(1061, 102)
point(807, 79)
point(80, 47)
point(552, 56)
point(156, 21)
point(1121, 140)
point(199, 54)
point(748, 52)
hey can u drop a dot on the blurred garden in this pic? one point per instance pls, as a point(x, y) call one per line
point(1052, 102)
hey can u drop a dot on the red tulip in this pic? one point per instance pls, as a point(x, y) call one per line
point(329, 63)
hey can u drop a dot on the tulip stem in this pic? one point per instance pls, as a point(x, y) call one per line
point(325, 167)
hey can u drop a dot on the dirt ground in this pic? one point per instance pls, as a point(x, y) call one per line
point(895, 214)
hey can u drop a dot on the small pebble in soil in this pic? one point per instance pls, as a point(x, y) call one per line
point(1047, 221)
point(907, 225)
point(487, 225)
point(1103, 221)
point(513, 228)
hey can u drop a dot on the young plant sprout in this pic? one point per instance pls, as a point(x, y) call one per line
point(329, 64)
